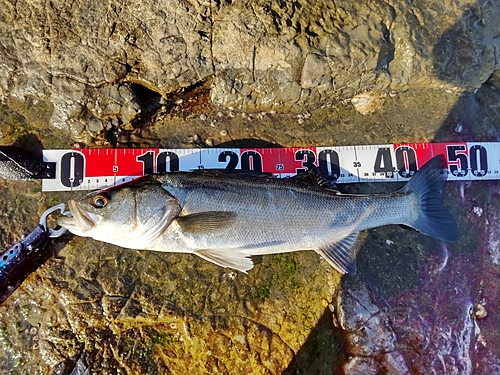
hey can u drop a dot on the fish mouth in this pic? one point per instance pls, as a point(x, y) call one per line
point(81, 219)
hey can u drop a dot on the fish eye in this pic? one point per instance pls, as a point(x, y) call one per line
point(100, 201)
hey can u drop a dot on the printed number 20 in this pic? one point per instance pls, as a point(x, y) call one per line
point(250, 160)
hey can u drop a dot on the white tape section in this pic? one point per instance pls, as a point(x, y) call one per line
point(89, 169)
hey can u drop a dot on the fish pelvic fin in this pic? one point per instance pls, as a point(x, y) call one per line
point(206, 222)
point(340, 255)
point(428, 186)
point(230, 258)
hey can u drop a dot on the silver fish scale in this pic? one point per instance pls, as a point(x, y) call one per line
point(225, 218)
point(274, 216)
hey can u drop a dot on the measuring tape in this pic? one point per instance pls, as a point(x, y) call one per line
point(89, 169)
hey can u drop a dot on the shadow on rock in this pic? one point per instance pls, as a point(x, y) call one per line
point(321, 352)
point(465, 54)
point(248, 143)
point(407, 288)
point(475, 115)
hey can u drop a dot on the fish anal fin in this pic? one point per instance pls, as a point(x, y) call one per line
point(340, 254)
point(230, 258)
point(206, 222)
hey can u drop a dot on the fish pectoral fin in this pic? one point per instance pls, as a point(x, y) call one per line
point(341, 254)
point(206, 222)
point(231, 258)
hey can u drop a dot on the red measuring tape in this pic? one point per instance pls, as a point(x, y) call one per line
point(88, 169)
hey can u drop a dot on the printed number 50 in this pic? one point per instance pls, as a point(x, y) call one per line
point(458, 160)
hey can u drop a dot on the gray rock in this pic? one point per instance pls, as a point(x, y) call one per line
point(362, 366)
point(86, 59)
point(367, 329)
point(79, 56)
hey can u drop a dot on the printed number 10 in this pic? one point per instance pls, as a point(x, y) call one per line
point(148, 160)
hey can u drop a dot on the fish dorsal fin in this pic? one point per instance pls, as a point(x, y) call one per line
point(312, 177)
point(340, 254)
point(206, 222)
point(230, 258)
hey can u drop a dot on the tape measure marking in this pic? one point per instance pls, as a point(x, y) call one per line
point(89, 169)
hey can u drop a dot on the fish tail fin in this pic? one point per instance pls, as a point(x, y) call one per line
point(428, 185)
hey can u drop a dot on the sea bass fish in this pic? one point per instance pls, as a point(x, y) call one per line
point(226, 218)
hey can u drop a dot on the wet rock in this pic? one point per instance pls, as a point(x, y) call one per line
point(105, 309)
point(361, 366)
point(440, 325)
point(411, 335)
point(436, 340)
point(148, 312)
point(84, 61)
point(367, 330)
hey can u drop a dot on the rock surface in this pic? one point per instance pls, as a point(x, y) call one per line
point(96, 67)
point(423, 307)
point(442, 324)
point(96, 306)
point(191, 74)
point(112, 310)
